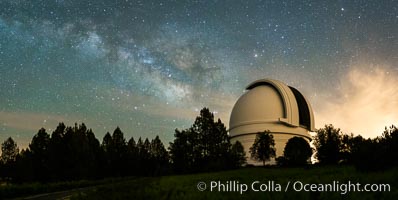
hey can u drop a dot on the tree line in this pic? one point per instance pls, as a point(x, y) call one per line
point(333, 147)
point(73, 153)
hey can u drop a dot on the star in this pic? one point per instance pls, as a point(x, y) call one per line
point(162, 62)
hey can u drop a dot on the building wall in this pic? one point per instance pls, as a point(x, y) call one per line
point(270, 105)
point(280, 138)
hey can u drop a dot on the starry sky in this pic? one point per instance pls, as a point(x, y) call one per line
point(150, 66)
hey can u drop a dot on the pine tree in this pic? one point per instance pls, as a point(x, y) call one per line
point(39, 149)
point(159, 155)
point(118, 153)
point(238, 155)
point(203, 147)
point(132, 157)
point(57, 153)
point(9, 151)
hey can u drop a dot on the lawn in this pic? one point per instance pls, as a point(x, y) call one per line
point(186, 186)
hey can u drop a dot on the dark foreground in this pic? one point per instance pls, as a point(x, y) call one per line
point(61, 195)
point(231, 185)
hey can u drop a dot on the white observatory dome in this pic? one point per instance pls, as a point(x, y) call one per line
point(270, 105)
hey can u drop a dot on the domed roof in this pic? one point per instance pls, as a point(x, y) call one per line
point(268, 101)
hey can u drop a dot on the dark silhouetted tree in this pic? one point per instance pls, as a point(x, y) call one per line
point(367, 157)
point(181, 151)
point(57, 153)
point(82, 152)
point(106, 147)
point(159, 155)
point(263, 148)
point(9, 151)
point(379, 153)
point(146, 158)
point(40, 155)
point(203, 147)
point(327, 144)
point(281, 161)
point(95, 156)
point(297, 151)
point(132, 156)
point(25, 167)
point(118, 153)
point(238, 155)
point(390, 142)
point(106, 142)
point(9, 155)
point(221, 146)
point(349, 144)
point(212, 142)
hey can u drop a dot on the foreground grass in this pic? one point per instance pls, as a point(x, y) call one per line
point(185, 186)
point(25, 189)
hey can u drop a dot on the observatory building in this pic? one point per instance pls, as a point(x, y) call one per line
point(270, 105)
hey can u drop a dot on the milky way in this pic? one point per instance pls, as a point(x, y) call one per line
point(150, 66)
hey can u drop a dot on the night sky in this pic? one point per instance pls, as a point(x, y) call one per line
point(150, 66)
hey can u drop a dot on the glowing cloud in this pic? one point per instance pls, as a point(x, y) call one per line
point(365, 102)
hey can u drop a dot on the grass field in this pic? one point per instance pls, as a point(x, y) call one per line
point(185, 186)
point(27, 189)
